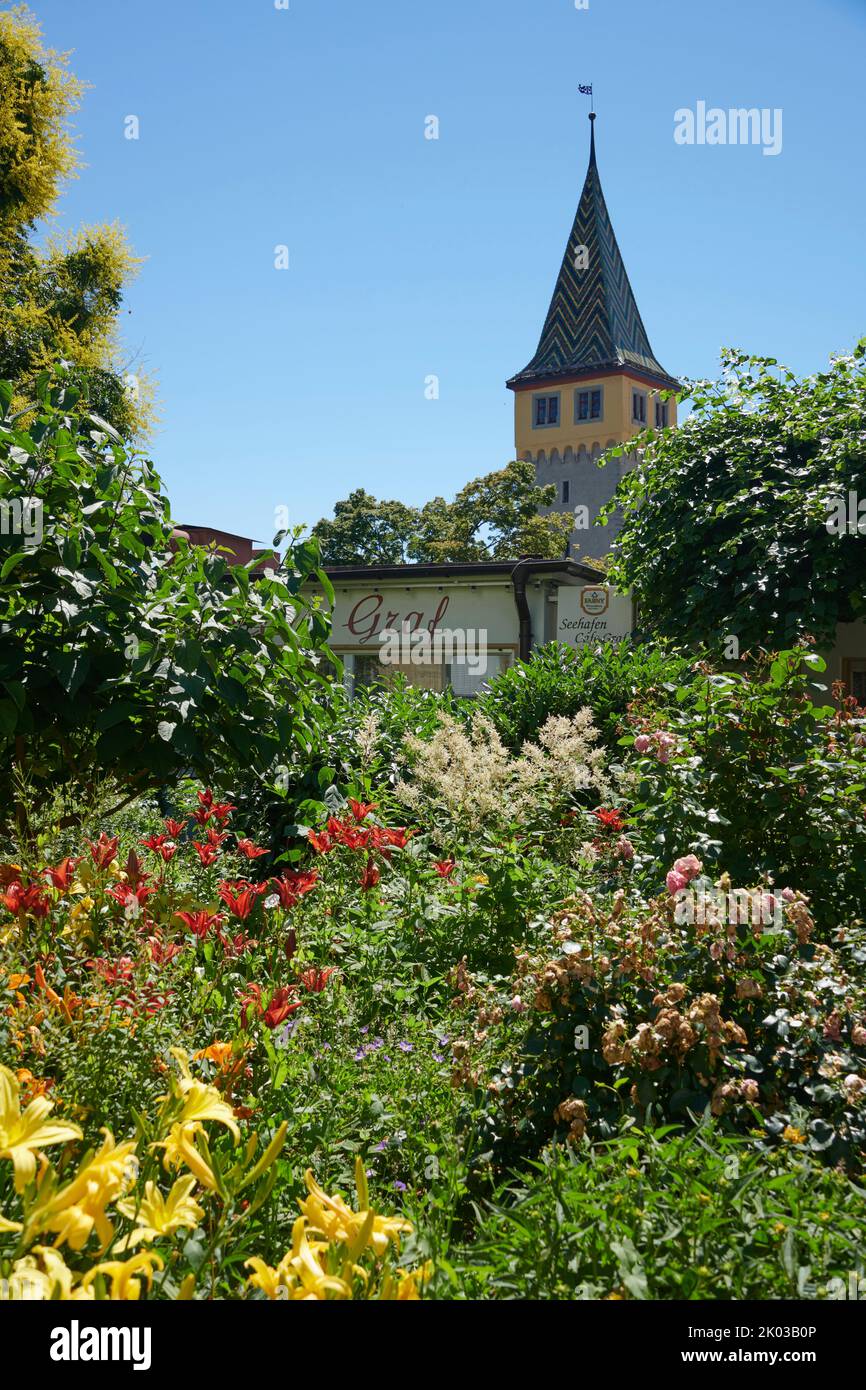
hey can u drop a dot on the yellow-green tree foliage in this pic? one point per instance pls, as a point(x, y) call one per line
point(60, 301)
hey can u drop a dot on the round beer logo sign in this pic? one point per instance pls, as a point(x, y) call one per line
point(593, 600)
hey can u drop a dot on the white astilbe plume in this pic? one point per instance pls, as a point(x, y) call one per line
point(566, 760)
point(468, 774)
point(367, 737)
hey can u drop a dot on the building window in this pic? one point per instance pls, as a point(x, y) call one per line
point(566, 489)
point(545, 412)
point(661, 415)
point(638, 407)
point(854, 676)
point(589, 405)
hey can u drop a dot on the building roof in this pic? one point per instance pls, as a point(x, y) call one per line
point(593, 323)
point(565, 569)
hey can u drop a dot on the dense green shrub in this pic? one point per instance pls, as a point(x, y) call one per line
point(355, 751)
point(666, 1216)
point(559, 680)
point(124, 650)
point(748, 771)
point(642, 1011)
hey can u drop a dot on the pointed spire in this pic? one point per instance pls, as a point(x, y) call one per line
point(593, 322)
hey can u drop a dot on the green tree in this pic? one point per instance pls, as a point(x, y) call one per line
point(126, 652)
point(741, 523)
point(60, 302)
point(365, 531)
point(495, 517)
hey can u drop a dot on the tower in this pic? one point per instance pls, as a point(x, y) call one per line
point(594, 380)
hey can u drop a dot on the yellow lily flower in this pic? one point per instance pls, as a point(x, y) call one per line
point(156, 1215)
point(77, 1208)
point(7, 1225)
point(122, 1274)
point(356, 1230)
point(406, 1284)
point(22, 1136)
point(299, 1273)
point(33, 1280)
point(180, 1147)
point(269, 1280)
point(200, 1101)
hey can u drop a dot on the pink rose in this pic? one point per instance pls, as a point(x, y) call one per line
point(788, 894)
point(624, 847)
point(689, 866)
point(642, 743)
point(675, 882)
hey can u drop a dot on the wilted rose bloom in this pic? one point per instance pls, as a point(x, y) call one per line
point(854, 1085)
point(858, 1035)
point(749, 1090)
point(518, 1005)
point(624, 847)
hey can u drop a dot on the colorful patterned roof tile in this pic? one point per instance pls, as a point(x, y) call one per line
point(593, 322)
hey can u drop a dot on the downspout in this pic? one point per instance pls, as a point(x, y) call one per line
point(518, 579)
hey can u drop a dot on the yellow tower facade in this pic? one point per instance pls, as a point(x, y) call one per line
point(594, 380)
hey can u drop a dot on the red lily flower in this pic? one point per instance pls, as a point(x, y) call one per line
point(611, 820)
point(202, 815)
point(252, 999)
point(9, 873)
point(321, 843)
point(234, 946)
point(119, 972)
point(124, 893)
point(205, 798)
point(399, 836)
point(63, 875)
point(161, 952)
point(293, 886)
point(222, 810)
point(281, 1005)
point(153, 841)
point(445, 867)
point(347, 834)
point(133, 870)
point(201, 922)
point(239, 903)
point(206, 853)
point(361, 809)
point(161, 845)
point(249, 850)
point(19, 899)
point(104, 850)
point(370, 877)
point(315, 980)
point(175, 828)
point(215, 837)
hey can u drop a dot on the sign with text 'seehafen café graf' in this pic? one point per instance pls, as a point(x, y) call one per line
point(592, 613)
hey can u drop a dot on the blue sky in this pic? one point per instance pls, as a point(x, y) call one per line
point(410, 257)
